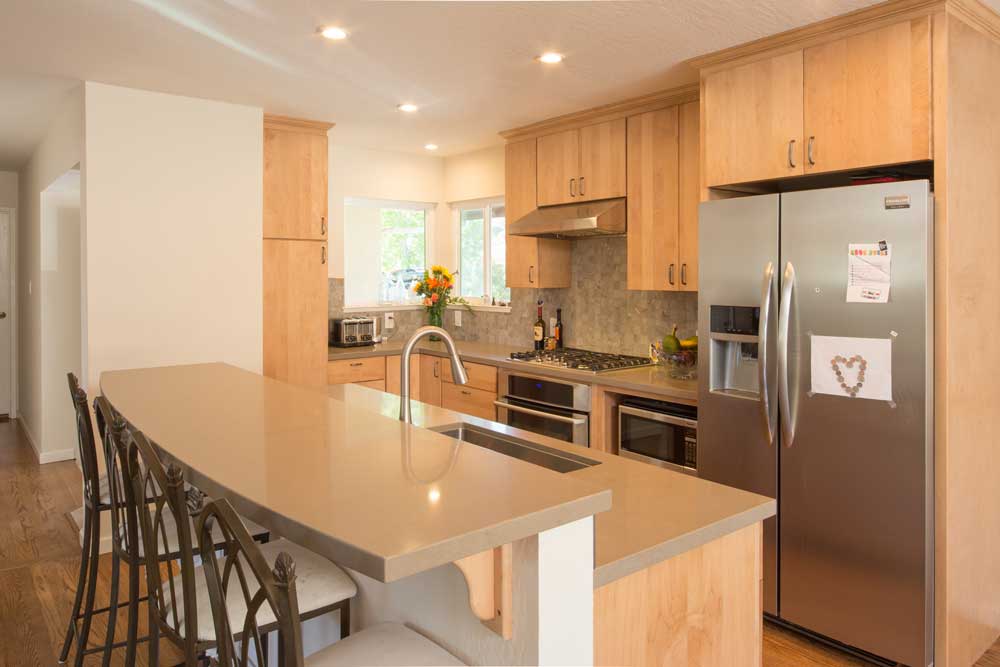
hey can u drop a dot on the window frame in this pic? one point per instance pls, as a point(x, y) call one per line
point(486, 206)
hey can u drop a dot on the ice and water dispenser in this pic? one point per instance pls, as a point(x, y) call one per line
point(733, 349)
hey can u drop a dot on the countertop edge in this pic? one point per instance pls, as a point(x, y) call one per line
point(615, 570)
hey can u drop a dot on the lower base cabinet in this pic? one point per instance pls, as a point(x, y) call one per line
point(468, 401)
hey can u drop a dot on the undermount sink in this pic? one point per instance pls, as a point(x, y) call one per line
point(539, 455)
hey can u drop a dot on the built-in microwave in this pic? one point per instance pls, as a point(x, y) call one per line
point(660, 433)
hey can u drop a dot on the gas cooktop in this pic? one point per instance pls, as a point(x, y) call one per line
point(581, 360)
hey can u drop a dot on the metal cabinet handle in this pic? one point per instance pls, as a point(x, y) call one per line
point(784, 400)
point(540, 413)
point(323, 255)
point(437, 368)
point(809, 150)
point(684, 274)
point(531, 274)
point(762, 343)
point(572, 185)
point(670, 274)
point(467, 392)
point(791, 156)
point(322, 226)
point(358, 363)
point(582, 179)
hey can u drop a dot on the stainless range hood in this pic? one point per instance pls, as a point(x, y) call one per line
point(570, 221)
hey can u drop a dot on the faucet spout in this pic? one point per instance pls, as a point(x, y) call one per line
point(457, 368)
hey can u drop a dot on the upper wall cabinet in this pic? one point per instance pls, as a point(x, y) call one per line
point(295, 179)
point(753, 121)
point(582, 164)
point(860, 101)
point(868, 98)
point(531, 262)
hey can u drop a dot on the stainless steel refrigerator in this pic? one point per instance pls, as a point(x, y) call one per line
point(850, 554)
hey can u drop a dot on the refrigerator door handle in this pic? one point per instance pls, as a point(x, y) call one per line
point(762, 344)
point(784, 314)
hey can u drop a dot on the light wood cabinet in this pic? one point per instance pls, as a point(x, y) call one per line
point(753, 121)
point(373, 384)
point(295, 178)
point(469, 401)
point(393, 375)
point(558, 167)
point(430, 380)
point(365, 369)
point(531, 262)
point(480, 376)
point(652, 200)
point(663, 194)
point(582, 164)
point(867, 98)
point(295, 311)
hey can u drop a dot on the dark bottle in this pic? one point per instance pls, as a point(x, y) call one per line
point(539, 331)
point(557, 333)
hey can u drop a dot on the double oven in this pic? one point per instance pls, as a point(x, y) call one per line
point(557, 408)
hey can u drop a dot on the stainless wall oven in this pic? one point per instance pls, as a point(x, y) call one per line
point(556, 408)
point(664, 434)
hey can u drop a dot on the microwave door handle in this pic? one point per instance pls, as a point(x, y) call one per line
point(762, 343)
point(657, 416)
point(576, 421)
point(784, 315)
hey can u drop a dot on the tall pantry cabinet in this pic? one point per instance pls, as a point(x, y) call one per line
point(296, 279)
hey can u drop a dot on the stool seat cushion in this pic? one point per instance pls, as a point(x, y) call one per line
point(383, 645)
point(319, 583)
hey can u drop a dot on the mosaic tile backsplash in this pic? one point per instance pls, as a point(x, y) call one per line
point(598, 312)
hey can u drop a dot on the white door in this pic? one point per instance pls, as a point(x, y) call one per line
point(6, 223)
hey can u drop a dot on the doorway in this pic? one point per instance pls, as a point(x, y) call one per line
point(6, 314)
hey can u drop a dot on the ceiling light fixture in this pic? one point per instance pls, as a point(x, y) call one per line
point(431, 147)
point(408, 107)
point(550, 58)
point(333, 32)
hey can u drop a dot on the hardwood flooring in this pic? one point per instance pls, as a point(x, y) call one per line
point(39, 558)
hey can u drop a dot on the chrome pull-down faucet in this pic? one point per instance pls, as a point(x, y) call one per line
point(457, 369)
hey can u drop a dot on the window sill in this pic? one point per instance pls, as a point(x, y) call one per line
point(353, 310)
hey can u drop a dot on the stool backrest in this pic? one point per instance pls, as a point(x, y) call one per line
point(86, 447)
point(124, 519)
point(173, 603)
point(241, 570)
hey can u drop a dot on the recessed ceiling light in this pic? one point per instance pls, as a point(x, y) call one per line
point(333, 32)
point(431, 147)
point(550, 58)
point(407, 107)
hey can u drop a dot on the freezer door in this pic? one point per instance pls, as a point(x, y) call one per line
point(737, 242)
point(855, 503)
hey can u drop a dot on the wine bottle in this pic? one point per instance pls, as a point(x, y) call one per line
point(539, 331)
point(558, 332)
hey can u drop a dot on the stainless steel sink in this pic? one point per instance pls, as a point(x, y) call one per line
point(539, 455)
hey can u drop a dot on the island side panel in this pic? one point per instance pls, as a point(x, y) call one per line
point(566, 594)
point(702, 607)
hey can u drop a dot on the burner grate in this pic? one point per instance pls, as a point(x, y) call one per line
point(582, 360)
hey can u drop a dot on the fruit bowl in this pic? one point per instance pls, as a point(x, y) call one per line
point(683, 365)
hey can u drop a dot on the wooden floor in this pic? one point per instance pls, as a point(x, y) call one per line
point(39, 558)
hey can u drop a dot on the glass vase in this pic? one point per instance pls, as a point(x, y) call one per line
point(435, 318)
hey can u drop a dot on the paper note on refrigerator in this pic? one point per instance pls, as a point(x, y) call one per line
point(852, 367)
point(868, 272)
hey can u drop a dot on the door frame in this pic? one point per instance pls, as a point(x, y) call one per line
point(12, 310)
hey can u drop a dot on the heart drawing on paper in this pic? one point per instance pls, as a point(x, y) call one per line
point(849, 362)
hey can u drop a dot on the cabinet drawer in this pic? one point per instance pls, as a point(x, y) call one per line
point(480, 376)
point(475, 402)
point(355, 370)
point(374, 384)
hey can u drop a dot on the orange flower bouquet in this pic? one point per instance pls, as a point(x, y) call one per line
point(435, 288)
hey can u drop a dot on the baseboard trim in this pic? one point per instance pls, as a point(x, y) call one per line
point(40, 456)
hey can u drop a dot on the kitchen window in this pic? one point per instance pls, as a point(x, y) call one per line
point(385, 250)
point(482, 241)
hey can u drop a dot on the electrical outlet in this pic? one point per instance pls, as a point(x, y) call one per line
point(458, 318)
point(389, 321)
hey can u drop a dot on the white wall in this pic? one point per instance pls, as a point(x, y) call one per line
point(59, 151)
point(8, 189)
point(60, 294)
point(173, 192)
point(467, 177)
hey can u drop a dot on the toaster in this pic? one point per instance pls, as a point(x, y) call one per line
point(354, 331)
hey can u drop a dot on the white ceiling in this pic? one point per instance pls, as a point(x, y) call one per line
point(469, 65)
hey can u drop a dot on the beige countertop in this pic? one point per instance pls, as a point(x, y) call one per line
point(649, 379)
point(655, 513)
point(384, 498)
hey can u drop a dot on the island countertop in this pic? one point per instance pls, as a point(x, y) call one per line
point(656, 514)
point(646, 379)
point(382, 497)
